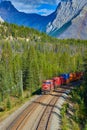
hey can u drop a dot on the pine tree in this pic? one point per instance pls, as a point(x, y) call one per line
point(20, 84)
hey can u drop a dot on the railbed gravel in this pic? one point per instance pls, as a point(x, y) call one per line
point(56, 116)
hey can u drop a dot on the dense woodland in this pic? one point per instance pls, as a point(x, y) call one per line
point(27, 57)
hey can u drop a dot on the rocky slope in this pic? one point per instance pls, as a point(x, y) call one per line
point(77, 28)
point(66, 10)
point(62, 23)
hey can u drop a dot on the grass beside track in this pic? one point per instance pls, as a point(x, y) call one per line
point(15, 104)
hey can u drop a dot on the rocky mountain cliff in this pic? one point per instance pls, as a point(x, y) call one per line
point(62, 23)
point(66, 10)
point(70, 20)
point(77, 27)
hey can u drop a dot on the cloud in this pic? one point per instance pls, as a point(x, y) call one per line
point(43, 7)
point(36, 2)
point(45, 12)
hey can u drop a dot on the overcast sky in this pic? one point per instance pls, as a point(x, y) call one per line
point(43, 7)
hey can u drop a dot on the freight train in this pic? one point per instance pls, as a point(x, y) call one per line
point(63, 79)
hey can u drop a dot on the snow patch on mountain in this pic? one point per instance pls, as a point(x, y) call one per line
point(1, 20)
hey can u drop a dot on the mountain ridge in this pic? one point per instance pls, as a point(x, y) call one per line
point(22, 18)
point(55, 23)
point(77, 30)
point(67, 10)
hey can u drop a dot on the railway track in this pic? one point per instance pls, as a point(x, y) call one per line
point(43, 118)
point(22, 118)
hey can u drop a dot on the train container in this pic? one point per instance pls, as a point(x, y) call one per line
point(47, 86)
point(66, 78)
point(78, 75)
point(67, 81)
point(71, 77)
point(74, 76)
point(57, 82)
point(62, 80)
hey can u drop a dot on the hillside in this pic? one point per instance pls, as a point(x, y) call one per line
point(27, 57)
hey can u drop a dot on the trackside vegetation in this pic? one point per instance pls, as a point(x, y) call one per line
point(74, 111)
point(27, 57)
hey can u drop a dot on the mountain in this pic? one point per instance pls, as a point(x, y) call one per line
point(70, 18)
point(66, 10)
point(10, 14)
point(62, 23)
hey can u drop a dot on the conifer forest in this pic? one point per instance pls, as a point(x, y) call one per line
point(27, 57)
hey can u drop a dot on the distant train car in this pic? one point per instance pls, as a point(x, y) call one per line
point(71, 77)
point(66, 78)
point(62, 80)
point(47, 86)
point(57, 82)
point(74, 76)
point(78, 75)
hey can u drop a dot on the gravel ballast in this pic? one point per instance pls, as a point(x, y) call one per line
point(56, 116)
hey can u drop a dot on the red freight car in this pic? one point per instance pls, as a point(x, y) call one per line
point(47, 86)
point(57, 82)
point(62, 80)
